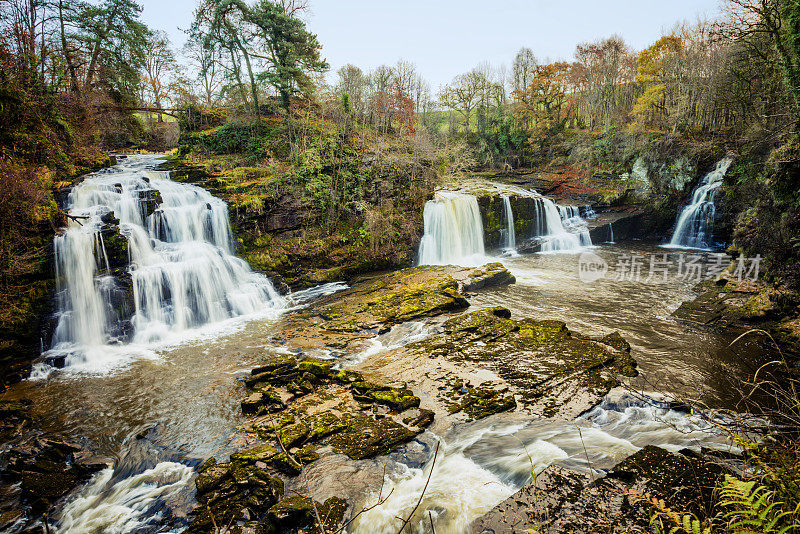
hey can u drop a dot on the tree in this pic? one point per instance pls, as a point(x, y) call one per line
point(654, 77)
point(522, 69)
point(160, 66)
point(545, 105)
point(207, 63)
point(116, 39)
point(292, 51)
point(463, 95)
point(603, 76)
point(780, 21)
point(275, 47)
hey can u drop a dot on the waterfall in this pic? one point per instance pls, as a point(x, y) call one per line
point(146, 257)
point(550, 225)
point(510, 234)
point(610, 233)
point(453, 230)
point(694, 226)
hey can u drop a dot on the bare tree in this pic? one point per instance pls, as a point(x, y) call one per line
point(463, 95)
point(522, 69)
point(160, 66)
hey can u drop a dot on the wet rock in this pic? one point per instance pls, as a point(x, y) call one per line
point(358, 418)
point(490, 275)
point(365, 437)
point(565, 501)
point(43, 468)
point(299, 513)
point(392, 299)
point(149, 200)
point(398, 399)
point(484, 401)
point(550, 370)
point(235, 492)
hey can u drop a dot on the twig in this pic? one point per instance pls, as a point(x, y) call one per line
point(430, 517)
point(380, 502)
point(421, 495)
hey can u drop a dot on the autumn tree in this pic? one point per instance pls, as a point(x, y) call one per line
point(655, 65)
point(545, 105)
point(603, 78)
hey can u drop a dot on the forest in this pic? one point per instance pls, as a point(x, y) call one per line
point(323, 177)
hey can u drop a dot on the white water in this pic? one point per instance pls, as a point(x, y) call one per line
point(130, 504)
point(183, 271)
point(453, 231)
point(480, 465)
point(550, 226)
point(694, 225)
point(510, 233)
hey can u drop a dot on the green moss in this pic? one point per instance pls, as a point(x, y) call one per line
point(365, 437)
point(319, 368)
point(398, 399)
point(483, 402)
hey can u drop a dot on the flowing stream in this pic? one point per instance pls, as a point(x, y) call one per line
point(694, 226)
point(204, 319)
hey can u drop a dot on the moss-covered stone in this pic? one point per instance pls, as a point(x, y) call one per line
point(398, 399)
point(299, 514)
point(482, 402)
point(549, 368)
point(365, 437)
point(392, 299)
point(315, 367)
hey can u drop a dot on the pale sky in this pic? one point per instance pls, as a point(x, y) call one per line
point(447, 37)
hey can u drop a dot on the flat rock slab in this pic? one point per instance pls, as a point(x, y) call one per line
point(566, 501)
point(551, 370)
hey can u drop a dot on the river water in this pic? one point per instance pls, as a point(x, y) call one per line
point(170, 404)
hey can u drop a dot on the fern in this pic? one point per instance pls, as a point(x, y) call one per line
point(686, 523)
point(753, 509)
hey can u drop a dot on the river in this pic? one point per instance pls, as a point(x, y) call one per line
point(162, 406)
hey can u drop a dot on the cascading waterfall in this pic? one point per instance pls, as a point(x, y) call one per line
point(694, 226)
point(509, 234)
point(574, 218)
point(549, 225)
point(453, 230)
point(179, 273)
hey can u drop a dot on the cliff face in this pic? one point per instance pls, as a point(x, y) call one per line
point(287, 231)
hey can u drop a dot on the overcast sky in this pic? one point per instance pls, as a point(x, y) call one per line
point(447, 37)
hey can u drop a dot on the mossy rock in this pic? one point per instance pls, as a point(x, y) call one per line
point(482, 402)
point(348, 376)
point(295, 434)
point(318, 368)
point(550, 369)
point(365, 437)
point(262, 453)
point(211, 475)
point(392, 299)
point(398, 399)
point(298, 514)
